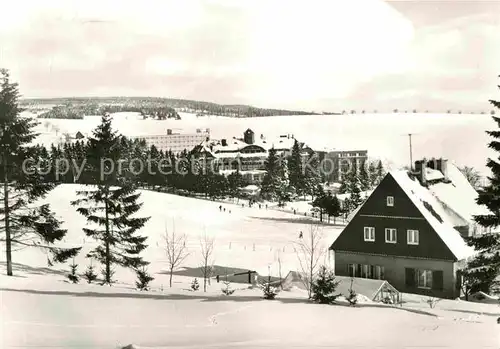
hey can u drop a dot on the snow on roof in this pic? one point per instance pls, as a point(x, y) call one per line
point(458, 196)
point(433, 175)
point(434, 213)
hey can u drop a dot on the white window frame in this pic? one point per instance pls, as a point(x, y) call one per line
point(427, 279)
point(412, 237)
point(388, 234)
point(370, 237)
point(390, 201)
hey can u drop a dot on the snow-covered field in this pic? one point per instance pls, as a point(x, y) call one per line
point(458, 137)
point(40, 309)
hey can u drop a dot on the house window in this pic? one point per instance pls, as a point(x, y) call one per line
point(390, 201)
point(369, 233)
point(379, 272)
point(412, 237)
point(365, 271)
point(424, 279)
point(390, 235)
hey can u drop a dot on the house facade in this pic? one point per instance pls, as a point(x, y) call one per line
point(410, 231)
point(337, 162)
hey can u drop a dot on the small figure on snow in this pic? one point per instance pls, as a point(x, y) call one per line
point(300, 235)
point(220, 207)
point(260, 206)
point(224, 209)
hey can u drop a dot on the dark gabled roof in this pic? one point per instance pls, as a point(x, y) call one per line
point(433, 212)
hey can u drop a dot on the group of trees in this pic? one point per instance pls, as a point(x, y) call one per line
point(77, 111)
point(287, 177)
point(75, 108)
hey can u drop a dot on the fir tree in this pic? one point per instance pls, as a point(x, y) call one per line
point(372, 174)
point(143, 279)
point(73, 276)
point(380, 173)
point(333, 207)
point(195, 285)
point(364, 177)
point(312, 175)
point(324, 287)
point(483, 270)
point(23, 224)
point(112, 206)
point(295, 169)
point(271, 181)
point(90, 274)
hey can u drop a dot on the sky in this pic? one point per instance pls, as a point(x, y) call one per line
point(318, 55)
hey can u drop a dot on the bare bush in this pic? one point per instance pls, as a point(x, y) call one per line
point(309, 251)
point(207, 244)
point(176, 250)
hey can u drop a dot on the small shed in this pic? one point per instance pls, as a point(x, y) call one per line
point(375, 290)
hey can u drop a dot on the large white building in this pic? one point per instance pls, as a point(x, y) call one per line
point(176, 141)
point(248, 155)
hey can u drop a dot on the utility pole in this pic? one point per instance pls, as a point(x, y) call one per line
point(411, 154)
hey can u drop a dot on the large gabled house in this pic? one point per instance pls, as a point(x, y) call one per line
point(410, 230)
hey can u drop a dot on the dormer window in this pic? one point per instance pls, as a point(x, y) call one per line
point(390, 201)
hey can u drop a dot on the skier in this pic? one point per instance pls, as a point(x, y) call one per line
point(220, 207)
point(300, 235)
point(224, 209)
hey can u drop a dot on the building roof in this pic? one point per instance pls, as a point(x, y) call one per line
point(434, 213)
point(458, 198)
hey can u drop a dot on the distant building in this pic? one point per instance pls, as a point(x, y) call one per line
point(79, 135)
point(248, 155)
point(336, 162)
point(410, 231)
point(176, 141)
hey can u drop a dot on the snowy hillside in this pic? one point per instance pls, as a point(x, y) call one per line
point(247, 238)
point(40, 309)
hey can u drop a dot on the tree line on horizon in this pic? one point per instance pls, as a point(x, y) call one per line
point(76, 108)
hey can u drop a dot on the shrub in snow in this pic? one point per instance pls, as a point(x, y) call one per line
point(90, 274)
point(143, 279)
point(227, 289)
point(432, 302)
point(270, 292)
point(195, 286)
point(323, 288)
point(72, 276)
point(352, 297)
point(109, 277)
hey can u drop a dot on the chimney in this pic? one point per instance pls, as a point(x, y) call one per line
point(442, 165)
point(169, 132)
point(224, 142)
point(420, 166)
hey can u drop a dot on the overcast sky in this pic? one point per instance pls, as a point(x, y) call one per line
point(307, 54)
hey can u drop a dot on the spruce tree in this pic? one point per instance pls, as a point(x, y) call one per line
point(73, 276)
point(380, 172)
point(312, 175)
point(23, 223)
point(143, 279)
point(364, 177)
point(111, 206)
point(295, 169)
point(271, 181)
point(324, 287)
point(90, 274)
point(482, 271)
